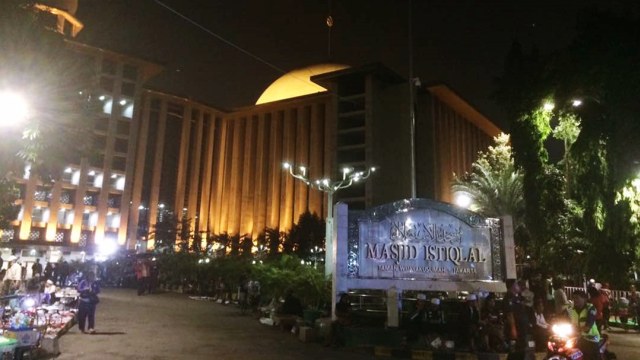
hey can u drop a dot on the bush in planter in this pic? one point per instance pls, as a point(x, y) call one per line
point(287, 272)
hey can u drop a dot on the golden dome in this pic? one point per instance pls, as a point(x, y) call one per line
point(297, 83)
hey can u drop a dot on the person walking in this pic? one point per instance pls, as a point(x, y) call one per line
point(89, 290)
point(36, 269)
point(141, 269)
point(560, 298)
point(63, 273)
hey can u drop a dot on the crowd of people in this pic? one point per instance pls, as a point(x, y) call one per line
point(517, 321)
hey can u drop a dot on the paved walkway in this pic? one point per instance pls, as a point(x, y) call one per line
point(171, 326)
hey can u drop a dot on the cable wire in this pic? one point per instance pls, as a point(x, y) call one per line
point(219, 37)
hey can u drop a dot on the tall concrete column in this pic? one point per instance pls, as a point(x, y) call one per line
point(206, 203)
point(195, 177)
point(316, 157)
point(301, 200)
point(54, 208)
point(247, 176)
point(137, 178)
point(157, 170)
point(235, 177)
point(275, 170)
point(183, 158)
point(261, 166)
point(288, 154)
point(217, 195)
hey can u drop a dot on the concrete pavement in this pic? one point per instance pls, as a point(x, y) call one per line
point(171, 326)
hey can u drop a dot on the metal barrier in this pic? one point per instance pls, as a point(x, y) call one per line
point(615, 294)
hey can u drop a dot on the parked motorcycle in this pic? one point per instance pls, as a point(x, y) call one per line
point(563, 344)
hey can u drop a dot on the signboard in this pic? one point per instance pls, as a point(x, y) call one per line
point(420, 239)
point(424, 244)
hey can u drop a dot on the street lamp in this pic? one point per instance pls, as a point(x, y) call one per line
point(463, 200)
point(326, 185)
point(13, 108)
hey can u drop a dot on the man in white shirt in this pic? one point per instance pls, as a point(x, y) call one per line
point(14, 271)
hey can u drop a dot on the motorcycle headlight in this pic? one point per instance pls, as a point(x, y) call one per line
point(562, 329)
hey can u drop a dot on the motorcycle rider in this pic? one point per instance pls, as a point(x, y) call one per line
point(583, 317)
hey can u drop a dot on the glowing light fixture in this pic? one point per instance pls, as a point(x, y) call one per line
point(576, 102)
point(13, 108)
point(548, 106)
point(463, 200)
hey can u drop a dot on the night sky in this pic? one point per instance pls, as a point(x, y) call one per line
point(459, 42)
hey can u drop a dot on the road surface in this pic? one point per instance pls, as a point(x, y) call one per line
point(171, 326)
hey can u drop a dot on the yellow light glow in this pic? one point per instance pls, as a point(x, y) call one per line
point(297, 83)
point(13, 108)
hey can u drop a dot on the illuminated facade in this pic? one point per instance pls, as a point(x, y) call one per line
point(160, 153)
point(223, 169)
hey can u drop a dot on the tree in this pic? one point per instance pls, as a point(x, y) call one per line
point(36, 62)
point(594, 84)
point(494, 184)
point(306, 234)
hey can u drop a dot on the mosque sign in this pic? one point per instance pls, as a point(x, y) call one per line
point(423, 240)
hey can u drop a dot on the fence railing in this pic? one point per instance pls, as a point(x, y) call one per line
point(615, 294)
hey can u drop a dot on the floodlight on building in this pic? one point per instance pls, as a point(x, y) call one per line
point(123, 102)
point(114, 176)
point(576, 102)
point(68, 170)
point(286, 165)
point(92, 173)
point(13, 108)
point(107, 247)
point(102, 97)
point(548, 106)
point(463, 200)
point(161, 206)
point(141, 207)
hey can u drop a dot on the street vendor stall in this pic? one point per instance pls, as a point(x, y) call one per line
point(29, 326)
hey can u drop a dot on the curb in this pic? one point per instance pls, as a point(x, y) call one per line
point(387, 352)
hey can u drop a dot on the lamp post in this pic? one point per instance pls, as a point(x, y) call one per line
point(330, 187)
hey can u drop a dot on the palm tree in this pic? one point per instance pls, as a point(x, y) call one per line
point(494, 184)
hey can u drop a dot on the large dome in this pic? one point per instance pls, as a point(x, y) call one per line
point(297, 83)
point(70, 6)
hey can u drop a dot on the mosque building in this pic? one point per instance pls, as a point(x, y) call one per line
point(222, 169)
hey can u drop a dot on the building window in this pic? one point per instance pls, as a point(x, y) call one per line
point(65, 217)
point(66, 197)
point(42, 194)
point(90, 199)
point(107, 103)
point(121, 146)
point(130, 72)
point(97, 160)
point(114, 201)
point(106, 84)
point(128, 89)
point(59, 237)
point(126, 107)
point(35, 234)
point(108, 67)
point(119, 163)
point(37, 215)
point(101, 124)
point(123, 127)
point(100, 142)
point(8, 234)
